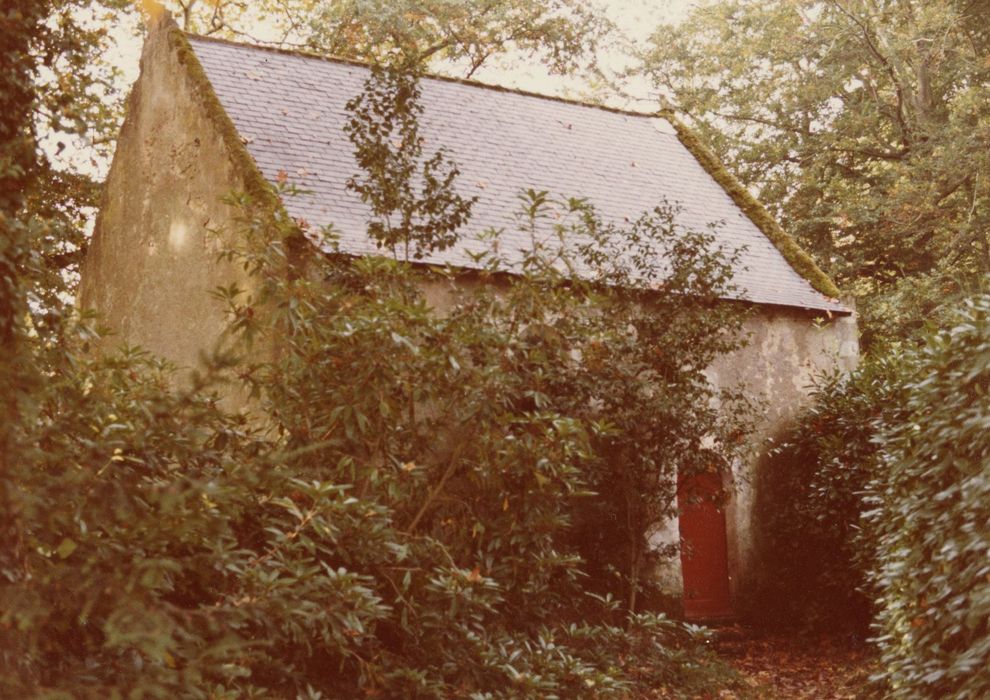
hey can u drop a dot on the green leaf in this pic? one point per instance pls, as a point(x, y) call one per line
point(66, 548)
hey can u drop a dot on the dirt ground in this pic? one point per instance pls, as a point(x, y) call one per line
point(795, 668)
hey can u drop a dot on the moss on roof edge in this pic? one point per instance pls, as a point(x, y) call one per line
point(258, 187)
point(255, 184)
point(793, 253)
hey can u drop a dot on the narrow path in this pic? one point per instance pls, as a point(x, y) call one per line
point(778, 667)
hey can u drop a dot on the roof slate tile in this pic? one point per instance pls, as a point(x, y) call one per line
point(292, 110)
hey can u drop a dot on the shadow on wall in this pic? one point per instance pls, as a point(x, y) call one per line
point(801, 578)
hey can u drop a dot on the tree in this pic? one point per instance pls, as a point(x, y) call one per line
point(17, 163)
point(864, 126)
point(57, 92)
point(815, 555)
point(562, 33)
point(38, 207)
point(413, 222)
point(28, 324)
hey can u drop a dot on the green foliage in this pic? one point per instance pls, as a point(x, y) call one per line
point(802, 263)
point(393, 514)
point(384, 128)
point(913, 308)
point(875, 506)
point(815, 555)
point(40, 222)
point(932, 516)
point(397, 526)
point(864, 127)
point(53, 92)
point(480, 432)
point(459, 34)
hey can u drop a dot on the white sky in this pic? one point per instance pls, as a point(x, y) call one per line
point(636, 20)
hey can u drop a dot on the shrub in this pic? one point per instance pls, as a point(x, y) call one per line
point(165, 549)
point(394, 516)
point(814, 551)
point(397, 525)
point(932, 517)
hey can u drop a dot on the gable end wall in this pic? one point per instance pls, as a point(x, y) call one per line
point(786, 351)
point(153, 261)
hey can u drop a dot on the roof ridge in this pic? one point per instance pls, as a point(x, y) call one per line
point(793, 254)
point(301, 53)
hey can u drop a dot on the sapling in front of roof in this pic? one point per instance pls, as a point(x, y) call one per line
point(290, 112)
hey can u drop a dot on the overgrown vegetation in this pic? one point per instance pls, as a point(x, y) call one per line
point(815, 556)
point(162, 547)
point(458, 34)
point(931, 514)
point(394, 517)
point(863, 125)
point(409, 511)
point(876, 518)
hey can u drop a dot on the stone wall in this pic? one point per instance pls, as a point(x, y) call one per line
point(786, 350)
point(153, 258)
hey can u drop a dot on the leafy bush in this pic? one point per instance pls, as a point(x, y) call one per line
point(815, 554)
point(911, 309)
point(397, 526)
point(394, 516)
point(932, 517)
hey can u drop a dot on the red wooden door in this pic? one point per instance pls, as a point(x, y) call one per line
point(704, 554)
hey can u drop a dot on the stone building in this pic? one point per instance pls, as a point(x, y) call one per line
point(209, 117)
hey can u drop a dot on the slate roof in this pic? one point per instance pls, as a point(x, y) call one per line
point(289, 109)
